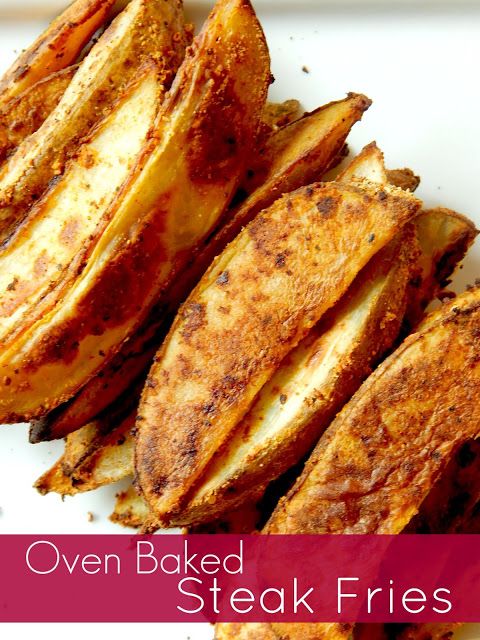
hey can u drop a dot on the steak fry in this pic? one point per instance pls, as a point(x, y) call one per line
point(316, 378)
point(172, 199)
point(23, 115)
point(253, 306)
point(56, 48)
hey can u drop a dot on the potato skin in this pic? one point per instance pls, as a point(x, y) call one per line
point(23, 115)
point(380, 457)
point(257, 301)
point(171, 200)
point(56, 48)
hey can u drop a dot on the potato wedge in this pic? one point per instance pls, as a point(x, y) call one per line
point(317, 137)
point(51, 246)
point(316, 378)
point(253, 306)
point(23, 115)
point(382, 454)
point(130, 509)
point(56, 48)
point(445, 237)
point(112, 63)
point(183, 169)
point(421, 403)
point(91, 460)
point(308, 389)
point(56, 481)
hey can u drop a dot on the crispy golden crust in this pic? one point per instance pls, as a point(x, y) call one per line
point(311, 385)
point(252, 307)
point(151, 231)
point(382, 454)
point(23, 115)
point(130, 509)
point(112, 63)
point(102, 391)
point(56, 48)
point(50, 248)
point(92, 459)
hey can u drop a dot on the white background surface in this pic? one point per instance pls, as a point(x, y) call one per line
point(419, 65)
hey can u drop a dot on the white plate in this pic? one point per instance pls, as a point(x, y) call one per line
point(418, 64)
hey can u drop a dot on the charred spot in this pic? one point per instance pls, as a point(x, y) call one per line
point(223, 278)
point(382, 195)
point(13, 284)
point(326, 206)
point(190, 451)
point(159, 484)
point(150, 383)
point(283, 398)
point(53, 181)
point(416, 281)
point(194, 316)
point(309, 191)
point(209, 408)
point(280, 260)
point(121, 441)
point(371, 237)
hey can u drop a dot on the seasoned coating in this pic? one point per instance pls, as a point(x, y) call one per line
point(172, 199)
point(130, 509)
point(302, 153)
point(112, 63)
point(56, 48)
point(49, 250)
point(23, 115)
point(310, 386)
point(255, 304)
point(384, 451)
point(91, 459)
point(316, 378)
